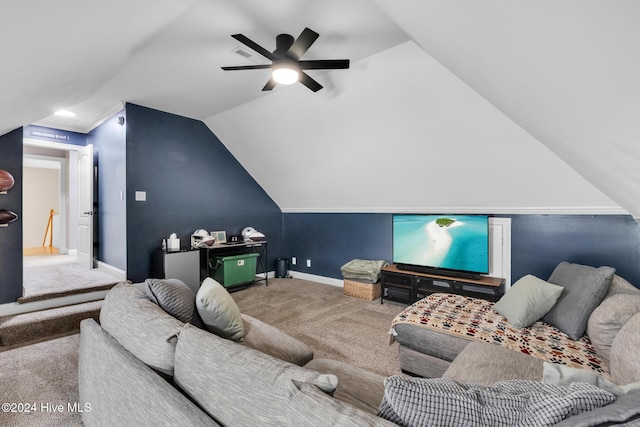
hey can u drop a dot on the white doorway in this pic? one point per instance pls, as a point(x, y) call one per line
point(56, 162)
point(53, 175)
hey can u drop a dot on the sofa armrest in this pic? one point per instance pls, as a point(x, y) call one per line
point(272, 341)
point(356, 386)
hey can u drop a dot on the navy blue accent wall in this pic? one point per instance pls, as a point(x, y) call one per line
point(191, 181)
point(109, 145)
point(54, 135)
point(11, 236)
point(330, 240)
point(538, 242)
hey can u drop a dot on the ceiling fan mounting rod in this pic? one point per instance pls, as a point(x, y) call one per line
point(283, 43)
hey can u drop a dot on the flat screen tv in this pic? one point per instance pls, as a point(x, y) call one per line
point(442, 244)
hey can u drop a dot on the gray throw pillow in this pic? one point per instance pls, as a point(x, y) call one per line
point(584, 289)
point(176, 298)
point(219, 311)
point(527, 301)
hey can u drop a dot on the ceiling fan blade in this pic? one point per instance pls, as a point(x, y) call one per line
point(309, 82)
point(324, 64)
point(255, 46)
point(247, 67)
point(302, 43)
point(270, 85)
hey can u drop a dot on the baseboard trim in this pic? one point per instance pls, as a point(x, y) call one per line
point(109, 269)
point(315, 278)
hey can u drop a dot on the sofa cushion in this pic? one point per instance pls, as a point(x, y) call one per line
point(140, 326)
point(482, 363)
point(608, 318)
point(308, 406)
point(219, 311)
point(272, 341)
point(527, 301)
point(625, 358)
point(584, 288)
point(419, 401)
point(174, 297)
point(621, 286)
point(235, 384)
point(356, 386)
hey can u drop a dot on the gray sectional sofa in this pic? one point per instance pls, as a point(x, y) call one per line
point(613, 327)
point(143, 366)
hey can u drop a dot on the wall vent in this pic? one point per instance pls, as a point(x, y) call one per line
point(240, 51)
point(249, 55)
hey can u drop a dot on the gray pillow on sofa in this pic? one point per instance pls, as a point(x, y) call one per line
point(584, 289)
point(527, 301)
point(219, 311)
point(176, 298)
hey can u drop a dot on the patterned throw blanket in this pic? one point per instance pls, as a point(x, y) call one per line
point(475, 319)
point(420, 402)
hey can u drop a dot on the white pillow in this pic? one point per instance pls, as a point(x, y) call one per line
point(219, 311)
point(527, 301)
point(561, 375)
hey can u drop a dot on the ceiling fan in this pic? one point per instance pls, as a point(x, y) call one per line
point(286, 62)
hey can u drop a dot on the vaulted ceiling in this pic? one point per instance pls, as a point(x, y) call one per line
point(495, 106)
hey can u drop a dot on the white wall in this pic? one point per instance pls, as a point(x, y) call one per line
point(41, 189)
point(398, 132)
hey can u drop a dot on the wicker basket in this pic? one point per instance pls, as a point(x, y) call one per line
point(366, 291)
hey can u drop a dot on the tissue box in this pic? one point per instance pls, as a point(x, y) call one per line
point(173, 244)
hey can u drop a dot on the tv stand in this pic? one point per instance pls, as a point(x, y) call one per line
point(408, 286)
point(438, 271)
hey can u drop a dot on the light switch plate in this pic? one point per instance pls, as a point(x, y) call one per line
point(141, 196)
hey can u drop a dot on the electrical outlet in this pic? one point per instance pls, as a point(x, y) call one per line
point(308, 263)
point(294, 261)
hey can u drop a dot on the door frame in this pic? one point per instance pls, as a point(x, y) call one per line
point(64, 202)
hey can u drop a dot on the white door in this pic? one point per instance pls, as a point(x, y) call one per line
point(85, 206)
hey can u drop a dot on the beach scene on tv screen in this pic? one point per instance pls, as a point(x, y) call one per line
point(455, 242)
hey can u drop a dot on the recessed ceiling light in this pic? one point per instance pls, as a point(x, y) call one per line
point(65, 113)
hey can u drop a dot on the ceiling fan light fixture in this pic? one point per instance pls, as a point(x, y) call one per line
point(285, 75)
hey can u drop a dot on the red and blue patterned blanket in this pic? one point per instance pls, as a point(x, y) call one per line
point(475, 319)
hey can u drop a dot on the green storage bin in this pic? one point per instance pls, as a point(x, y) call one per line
point(234, 270)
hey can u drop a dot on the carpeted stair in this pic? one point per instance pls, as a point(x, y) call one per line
point(29, 328)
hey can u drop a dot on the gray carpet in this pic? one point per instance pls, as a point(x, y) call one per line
point(334, 325)
point(56, 280)
point(25, 328)
point(41, 374)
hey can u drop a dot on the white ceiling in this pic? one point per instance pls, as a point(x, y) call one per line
point(534, 104)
